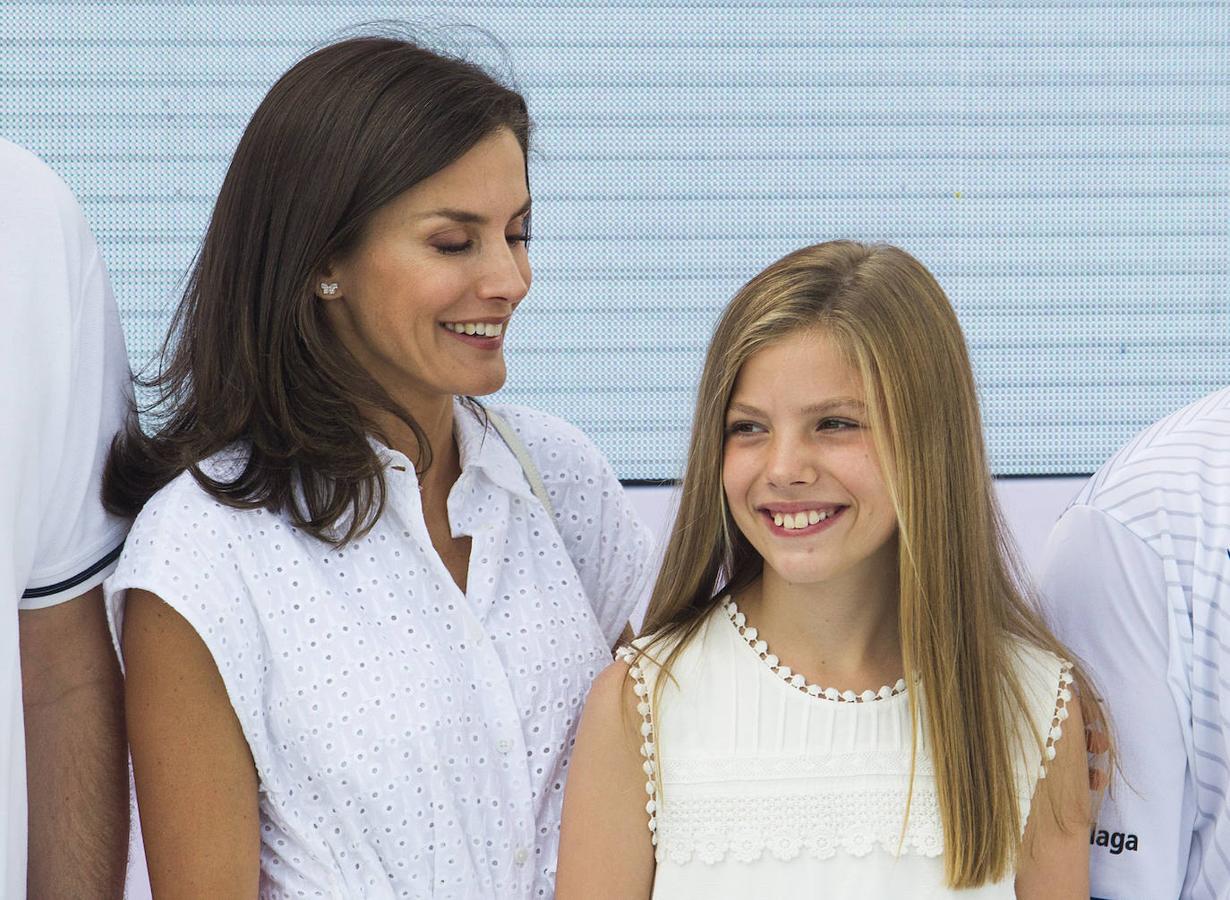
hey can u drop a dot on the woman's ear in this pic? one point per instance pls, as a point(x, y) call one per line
point(326, 284)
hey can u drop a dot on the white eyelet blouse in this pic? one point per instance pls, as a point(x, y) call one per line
point(760, 784)
point(411, 740)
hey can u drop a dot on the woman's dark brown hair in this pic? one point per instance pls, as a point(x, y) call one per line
point(250, 357)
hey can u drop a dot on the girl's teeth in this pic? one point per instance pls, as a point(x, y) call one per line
point(794, 521)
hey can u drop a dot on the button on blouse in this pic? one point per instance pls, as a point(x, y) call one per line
point(410, 740)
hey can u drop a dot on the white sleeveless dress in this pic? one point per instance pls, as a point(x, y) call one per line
point(772, 787)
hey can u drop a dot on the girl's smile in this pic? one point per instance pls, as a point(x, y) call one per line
point(792, 520)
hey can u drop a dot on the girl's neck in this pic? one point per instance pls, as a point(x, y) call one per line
point(841, 633)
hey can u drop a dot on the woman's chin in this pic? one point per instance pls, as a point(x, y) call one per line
point(481, 384)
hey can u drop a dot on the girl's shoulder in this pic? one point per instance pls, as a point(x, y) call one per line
point(684, 653)
point(1045, 681)
point(1036, 667)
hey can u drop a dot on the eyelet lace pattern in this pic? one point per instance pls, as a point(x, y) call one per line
point(794, 679)
point(854, 822)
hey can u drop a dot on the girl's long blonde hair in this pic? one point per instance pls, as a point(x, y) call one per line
point(962, 594)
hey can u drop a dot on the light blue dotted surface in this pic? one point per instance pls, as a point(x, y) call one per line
point(1063, 167)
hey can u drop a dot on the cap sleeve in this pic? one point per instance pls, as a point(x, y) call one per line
point(183, 547)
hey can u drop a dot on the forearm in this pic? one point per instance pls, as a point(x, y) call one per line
point(76, 758)
point(77, 776)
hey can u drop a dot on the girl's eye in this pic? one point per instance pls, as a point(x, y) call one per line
point(836, 425)
point(454, 248)
point(742, 428)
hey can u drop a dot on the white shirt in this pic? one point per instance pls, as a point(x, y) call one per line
point(411, 740)
point(1137, 577)
point(772, 787)
point(63, 393)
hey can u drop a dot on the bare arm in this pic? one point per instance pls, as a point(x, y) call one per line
point(605, 850)
point(1054, 861)
point(76, 760)
point(196, 782)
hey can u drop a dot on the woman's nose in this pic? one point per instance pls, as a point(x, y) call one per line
point(506, 274)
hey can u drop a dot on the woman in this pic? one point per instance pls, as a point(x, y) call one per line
point(843, 691)
point(357, 622)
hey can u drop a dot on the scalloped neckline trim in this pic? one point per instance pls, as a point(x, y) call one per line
point(794, 679)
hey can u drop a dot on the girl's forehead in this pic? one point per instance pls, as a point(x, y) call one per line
point(800, 369)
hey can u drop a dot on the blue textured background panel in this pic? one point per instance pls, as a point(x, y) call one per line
point(1063, 168)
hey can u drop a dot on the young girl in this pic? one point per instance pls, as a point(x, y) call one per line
point(842, 690)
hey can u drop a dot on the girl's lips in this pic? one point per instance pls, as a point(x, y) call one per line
point(814, 528)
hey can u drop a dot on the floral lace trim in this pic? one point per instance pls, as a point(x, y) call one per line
point(794, 679)
point(745, 829)
point(696, 770)
point(1063, 697)
point(641, 689)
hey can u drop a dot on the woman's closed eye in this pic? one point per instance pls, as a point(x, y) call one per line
point(522, 233)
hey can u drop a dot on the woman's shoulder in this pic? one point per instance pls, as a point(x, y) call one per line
point(560, 450)
point(179, 506)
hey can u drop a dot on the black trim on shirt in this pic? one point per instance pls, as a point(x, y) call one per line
point(77, 579)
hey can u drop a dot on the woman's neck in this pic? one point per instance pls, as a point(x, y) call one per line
point(435, 418)
point(842, 633)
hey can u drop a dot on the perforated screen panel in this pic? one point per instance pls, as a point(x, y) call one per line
point(1063, 168)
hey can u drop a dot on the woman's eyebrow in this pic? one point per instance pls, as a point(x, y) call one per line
point(467, 217)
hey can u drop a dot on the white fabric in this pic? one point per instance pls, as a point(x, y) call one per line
point(1137, 578)
point(411, 741)
point(768, 791)
point(63, 383)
